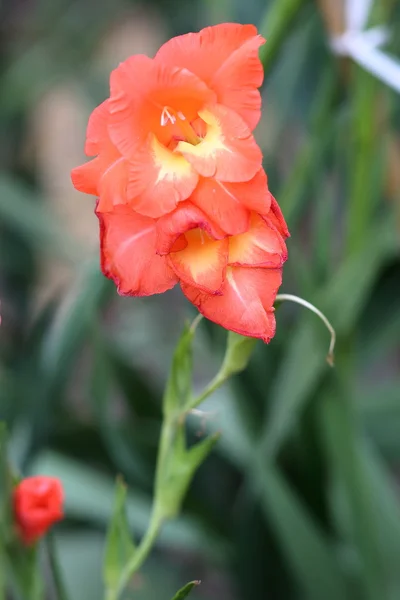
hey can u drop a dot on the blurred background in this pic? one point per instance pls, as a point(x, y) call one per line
point(300, 500)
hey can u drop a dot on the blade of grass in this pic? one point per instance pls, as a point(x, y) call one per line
point(310, 158)
point(340, 435)
point(276, 25)
point(23, 212)
point(308, 551)
point(95, 507)
point(126, 460)
point(342, 300)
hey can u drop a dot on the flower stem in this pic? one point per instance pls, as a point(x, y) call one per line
point(138, 558)
point(214, 384)
point(157, 517)
point(166, 506)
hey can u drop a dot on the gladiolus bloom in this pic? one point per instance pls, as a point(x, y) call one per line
point(182, 195)
point(37, 506)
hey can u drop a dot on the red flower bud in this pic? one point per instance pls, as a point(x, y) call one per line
point(37, 504)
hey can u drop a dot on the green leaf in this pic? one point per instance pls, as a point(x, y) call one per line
point(94, 507)
point(24, 573)
point(346, 293)
point(276, 26)
point(24, 213)
point(342, 441)
point(179, 384)
point(59, 347)
point(294, 191)
point(185, 591)
point(300, 370)
point(118, 441)
point(342, 300)
point(178, 470)
point(80, 555)
point(309, 553)
point(5, 488)
point(238, 353)
point(386, 501)
point(119, 546)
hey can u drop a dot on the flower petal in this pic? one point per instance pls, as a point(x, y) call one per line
point(113, 185)
point(229, 204)
point(159, 179)
point(228, 151)
point(97, 130)
point(225, 56)
point(276, 217)
point(141, 89)
point(86, 177)
point(237, 80)
point(105, 177)
point(261, 246)
point(245, 303)
point(254, 194)
point(219, 204)
point(186, 217)
point(203, 262)
point(128, 255)
point(205, 52)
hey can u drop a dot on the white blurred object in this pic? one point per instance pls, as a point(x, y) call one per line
point(363, 46)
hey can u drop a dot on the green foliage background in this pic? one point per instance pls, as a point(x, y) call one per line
point(299, 499)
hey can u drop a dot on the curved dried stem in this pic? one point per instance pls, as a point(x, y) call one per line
point(314, 309)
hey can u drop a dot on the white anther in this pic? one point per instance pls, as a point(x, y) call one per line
point(166, 117)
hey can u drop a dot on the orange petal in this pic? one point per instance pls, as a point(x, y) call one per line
point(221, 205)
point(237, 80)
point(159, 179)
point(186, 217)
point(228, 151)
point(229, 204)
point(128, 255)
point(225, 57)
point(97, 130)
point(105, 177)
point(113, 185)
point(254, 194)
point(85, 178)
point(261, 246)
point(205, 52)
point(141, 89)
point(246, 301)
point(203, 262)
point(276, 217)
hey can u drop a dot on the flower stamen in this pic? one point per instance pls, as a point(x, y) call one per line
point(169, 115)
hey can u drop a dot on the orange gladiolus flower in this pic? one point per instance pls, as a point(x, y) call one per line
point(37, 506)
point(182, 195)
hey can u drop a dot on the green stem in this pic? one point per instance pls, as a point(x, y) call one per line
point(171, 442)
point(157, 517)
point(214, 384)
point(139, 557)
point(223, 375)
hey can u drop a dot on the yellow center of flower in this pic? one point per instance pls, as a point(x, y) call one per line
point(170, 115)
